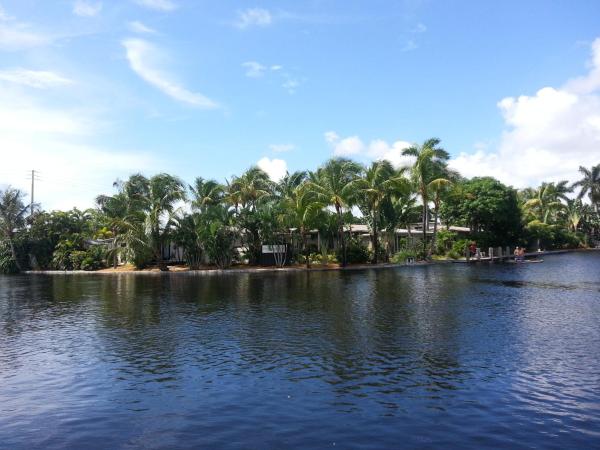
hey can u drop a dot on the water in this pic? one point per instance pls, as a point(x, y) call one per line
point(453, 355)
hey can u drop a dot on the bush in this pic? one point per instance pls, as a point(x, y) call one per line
point(7, 263)
point(356, 252)
point(401, 256)
point(444, 241)
point(459, 248)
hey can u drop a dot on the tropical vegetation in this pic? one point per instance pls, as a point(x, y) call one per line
point(305, 218)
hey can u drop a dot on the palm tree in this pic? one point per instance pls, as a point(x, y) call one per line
point(206, 193)
point(151, 208)
point(544, 202)
point(246, 193)
point(437, 187)
point(289, 183)
point(332, 185)
point(590, 185)
point(429, 165)
point(379, 182)
point(12, 217)
point(301, 209)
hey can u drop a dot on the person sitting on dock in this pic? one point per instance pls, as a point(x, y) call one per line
point(519, 254)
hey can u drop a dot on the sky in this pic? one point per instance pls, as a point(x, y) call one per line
point(94, 90)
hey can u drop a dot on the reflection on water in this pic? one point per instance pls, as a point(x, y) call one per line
point(469, 356)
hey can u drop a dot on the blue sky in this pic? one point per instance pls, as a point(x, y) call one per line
point(94, 90)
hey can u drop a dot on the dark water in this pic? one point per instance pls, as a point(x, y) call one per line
point(455, 356)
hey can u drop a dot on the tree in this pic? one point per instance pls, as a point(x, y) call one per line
point(546, 201)
point(150, 214)
point(302, 209)
point(429, 165)
point(590, 185)
point(206, 193)
point(332, 185)
point(489, 208)
point(379, 182)
point(246, 193)
point(12, 218)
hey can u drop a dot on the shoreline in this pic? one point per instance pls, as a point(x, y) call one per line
point(179, 270)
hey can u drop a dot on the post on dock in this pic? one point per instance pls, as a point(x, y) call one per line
point(491, 253)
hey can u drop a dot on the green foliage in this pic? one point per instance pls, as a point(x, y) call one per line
point(356, 252)
point(7, 263)
point(401, 256)
point(444, 241)
point(459, 248)
point(489, 208)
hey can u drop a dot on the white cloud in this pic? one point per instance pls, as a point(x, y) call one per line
point(253, 17)
point(18, 36)
point(86, 9)
point(349, 146)
point(159, 5)
point(138, 27)
point(3, 15)
point(548, 135)
point(145, 60)
point(254, 69)
point(380, 149)
point(52, 140)
point(282, 148)
point(275, 168)
point(40, 79)
point(276, 67)
point(377, 149)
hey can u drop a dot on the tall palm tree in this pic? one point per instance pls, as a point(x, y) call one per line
point(332, 184)
point(590, 185)
point(12, 217)
point(429, 165)
point(301, 208)
point(437, 187)
point(379, 182)
point(246, 193)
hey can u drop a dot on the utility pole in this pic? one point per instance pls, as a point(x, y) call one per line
point(32, 190)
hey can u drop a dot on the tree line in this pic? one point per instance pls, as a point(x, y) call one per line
point(209, 220)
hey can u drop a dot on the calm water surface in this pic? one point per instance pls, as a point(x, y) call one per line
point(459, 356)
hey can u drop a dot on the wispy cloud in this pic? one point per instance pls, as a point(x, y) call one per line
point(254, 69)
point(144, 60)
point(40, 79)
point(282, 148)
point(86, 9)
point(159, 5)
point(419, 28)
point(256, 17)
point(138, 27)
point(4, 15)
point(18, 36)
point(409, 46)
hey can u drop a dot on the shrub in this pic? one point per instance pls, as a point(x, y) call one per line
point(7, 263)
point(444, 241)
point(459, 248)
point(401, 256)
point(356, 252)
